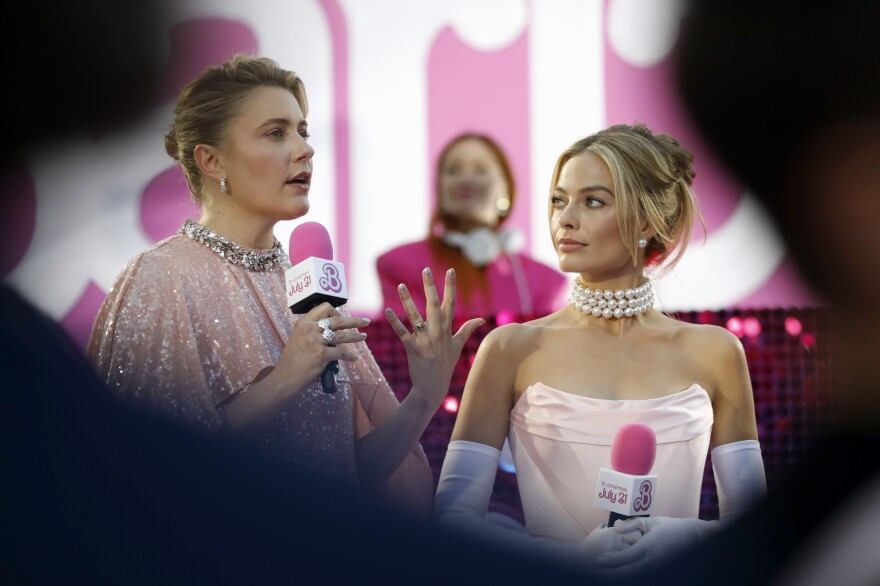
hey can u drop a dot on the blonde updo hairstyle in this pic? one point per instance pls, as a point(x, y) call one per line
point(210, 103)
point(652, 176)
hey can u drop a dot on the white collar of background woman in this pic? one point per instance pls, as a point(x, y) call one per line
point(482, 245)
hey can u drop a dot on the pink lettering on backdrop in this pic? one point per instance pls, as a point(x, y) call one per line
point(648, 95)
point(468, 90)
point(784, 288)
point(341, 135)
point(78, 321)
point(195, 44)
point(165, 202)
point(472, 90)
point(200, 42)
point(635, 94)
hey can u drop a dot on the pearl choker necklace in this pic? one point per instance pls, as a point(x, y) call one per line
point(607, 303)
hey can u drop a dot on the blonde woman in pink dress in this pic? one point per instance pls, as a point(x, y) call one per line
point(559, 387)
point(197, 328)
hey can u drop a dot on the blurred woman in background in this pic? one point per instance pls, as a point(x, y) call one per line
point(476, 192)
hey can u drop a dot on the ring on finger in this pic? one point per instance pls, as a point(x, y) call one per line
point(324, 323)
point(329, 337)
point(420, 326)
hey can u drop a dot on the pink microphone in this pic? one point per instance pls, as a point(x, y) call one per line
point(314, 278)
point(627, 489)
point(634, 449)
point(309, 239)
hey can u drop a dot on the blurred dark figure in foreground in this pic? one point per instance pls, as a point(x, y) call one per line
point(97, 493)
point(789, 97)
point(80, 66)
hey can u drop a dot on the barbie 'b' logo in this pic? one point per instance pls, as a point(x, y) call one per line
point(643, 501)
point(330, 281)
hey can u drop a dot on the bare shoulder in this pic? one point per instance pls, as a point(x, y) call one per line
point(718, 354)
point(506, 338)
point(705, 339)
point(511, 341)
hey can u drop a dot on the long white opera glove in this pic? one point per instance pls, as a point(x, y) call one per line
point(462, 503)
point(739, 476)
point(739, 479)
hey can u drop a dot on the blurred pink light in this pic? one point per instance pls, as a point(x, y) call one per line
point(504, 317)
point(451, 404)
point(808, 340)
point(705, 317)
point(751, 327)
point(793, 326)
point(735, 325)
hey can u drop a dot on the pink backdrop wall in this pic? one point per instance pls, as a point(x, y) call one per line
point(384, 99)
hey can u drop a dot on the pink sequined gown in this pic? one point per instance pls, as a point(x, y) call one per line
point(182, 328)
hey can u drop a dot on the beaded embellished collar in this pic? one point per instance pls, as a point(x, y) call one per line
point(252, 260)
point(608, 303)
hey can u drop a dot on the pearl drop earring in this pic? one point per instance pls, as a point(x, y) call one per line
point(224, 187)
point(643, 243)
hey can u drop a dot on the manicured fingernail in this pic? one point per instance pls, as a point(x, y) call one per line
point(365, 321)
point(427, 271)
point(402, 287)
point(363, 336)
point(388, 311)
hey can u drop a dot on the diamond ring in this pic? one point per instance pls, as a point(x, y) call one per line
point(420, 326)
point(329, 337)
point(324, 323)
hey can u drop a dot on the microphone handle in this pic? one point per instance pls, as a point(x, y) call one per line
point(614, 517)
point(328, 377)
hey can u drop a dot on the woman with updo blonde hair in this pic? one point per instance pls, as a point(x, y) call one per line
point(621, 208)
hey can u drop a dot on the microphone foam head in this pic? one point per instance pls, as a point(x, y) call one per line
point(309, 239)
point(633, 449)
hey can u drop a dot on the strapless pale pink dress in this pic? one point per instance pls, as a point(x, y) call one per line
point(560, 441)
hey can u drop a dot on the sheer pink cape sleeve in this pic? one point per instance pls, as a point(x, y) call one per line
point(412, 484)
point(144, 346)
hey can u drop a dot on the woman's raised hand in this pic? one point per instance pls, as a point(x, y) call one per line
point(431, 349)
